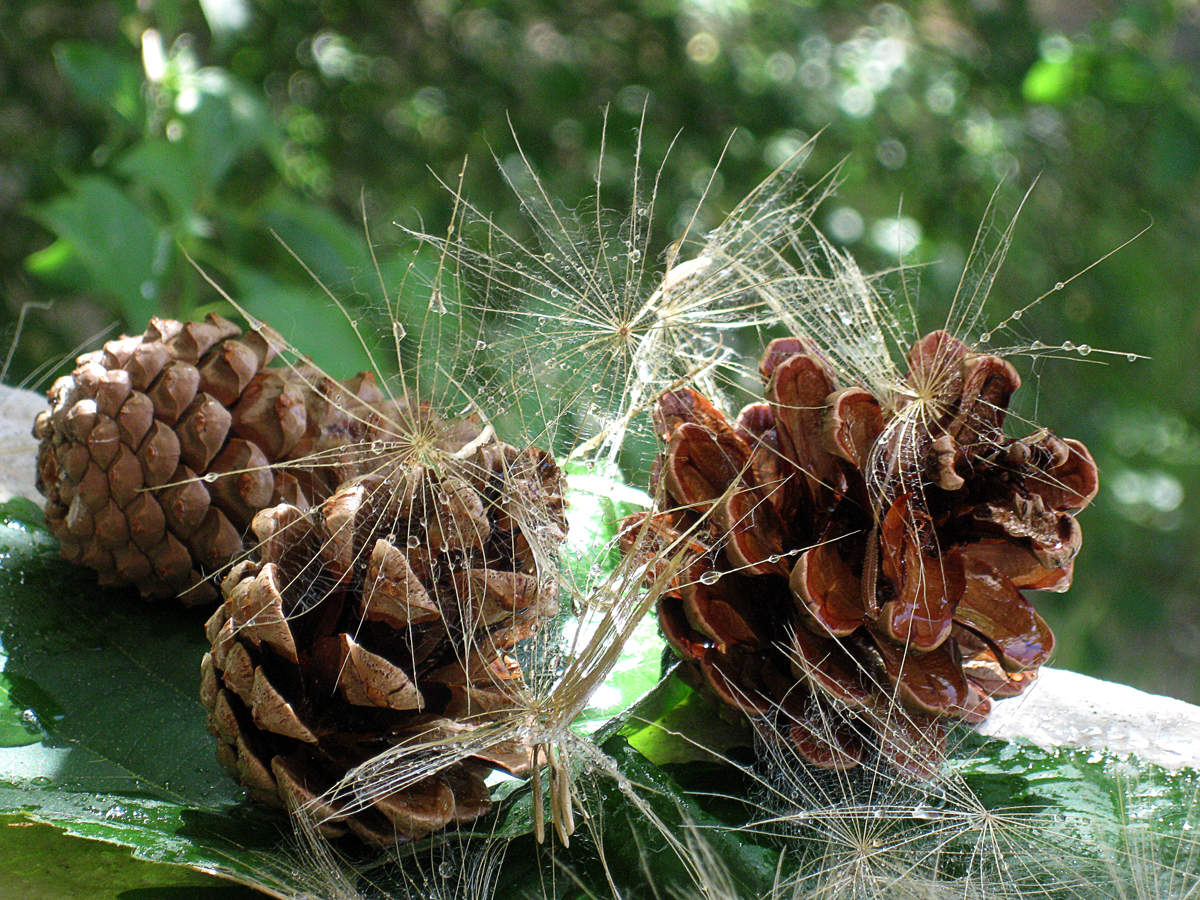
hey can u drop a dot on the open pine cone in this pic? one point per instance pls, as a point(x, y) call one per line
point(844, 551)
point(173, 410)
point(384, 617)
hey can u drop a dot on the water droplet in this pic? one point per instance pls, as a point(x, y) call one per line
point(390, 537)
point(211, 477)
point(414, 541)
point(443, 498)
point(398, 331)
point(643, 211)
point(710, 577)
point(436, 304)
point(1017, 315)
point(1059, 286)
point(985, 337)
point(481, 345)
point(376, 446)
point(1132, 357)
point(354, 323)
point(1084, 349)
point(1038, 345)
point(774, 558)
point(635, 255)
point(1068, 345)
point(446, 869)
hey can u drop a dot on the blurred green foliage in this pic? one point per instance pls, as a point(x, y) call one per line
point(134, 135)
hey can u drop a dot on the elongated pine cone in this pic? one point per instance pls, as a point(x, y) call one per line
point(844, 551)
point(190, 412)
point(384, 618)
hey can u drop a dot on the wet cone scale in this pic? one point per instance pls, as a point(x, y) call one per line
point(154, 454)
point(385, 618)
point(855, 564)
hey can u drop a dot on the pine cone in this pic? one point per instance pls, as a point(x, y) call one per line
point(171, 410)
point(859, 549)
point(381, 618)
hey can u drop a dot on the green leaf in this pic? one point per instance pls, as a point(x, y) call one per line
point(225, 119)
point(305, 317)
point(59, 266)
point(633, 846)
point(167, 169)
point(326, 244)
point(117, 242)
point(17, 725)
point(1052, 81)
point(106, 686)
point(678, 725)
point(101, 77)
point(597, 500)
point(1102, 804)
point(42, 862)
point(637, 670)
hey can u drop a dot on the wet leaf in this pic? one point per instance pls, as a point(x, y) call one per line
point(111, 744)
point(41, 861)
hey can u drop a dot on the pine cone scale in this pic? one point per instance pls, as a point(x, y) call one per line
point(828, 590)
point(992, 607)
point(797, 392)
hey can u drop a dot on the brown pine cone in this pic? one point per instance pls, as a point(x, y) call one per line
point(385, 617)
point(173, 410)
point(859, 550)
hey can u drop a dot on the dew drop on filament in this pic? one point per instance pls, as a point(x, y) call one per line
point(1084, 349)
point(710, 577)
point(211, 477)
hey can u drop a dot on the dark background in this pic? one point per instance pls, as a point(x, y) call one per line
point(131, 133)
